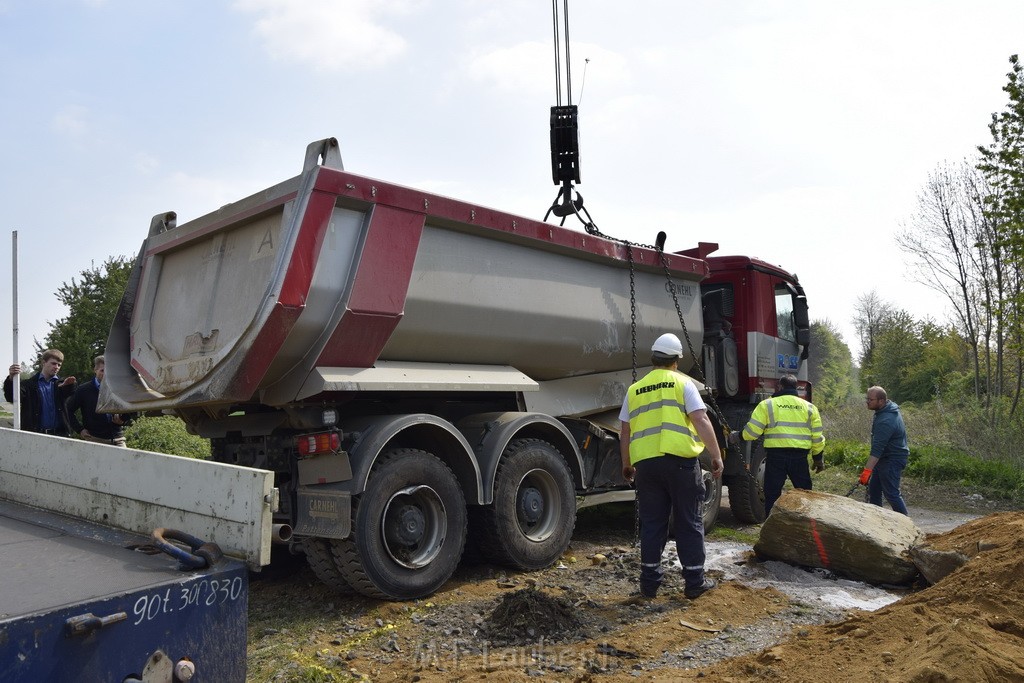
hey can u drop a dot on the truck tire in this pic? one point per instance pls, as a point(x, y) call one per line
point(712, 503)
point(530, 523)
point(320, 559)
point(408, 528)
point(746, 489)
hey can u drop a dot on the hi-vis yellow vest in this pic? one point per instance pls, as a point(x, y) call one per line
point(786, 422)
point(658, 423)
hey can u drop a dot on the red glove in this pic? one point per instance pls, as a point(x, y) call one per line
point(864, 476)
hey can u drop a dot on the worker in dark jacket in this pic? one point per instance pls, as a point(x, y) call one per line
point(96, 427)
point(42, 395)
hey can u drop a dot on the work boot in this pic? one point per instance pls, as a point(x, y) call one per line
point(693, 592)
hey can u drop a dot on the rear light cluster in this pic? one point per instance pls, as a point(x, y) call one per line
point(324, 442)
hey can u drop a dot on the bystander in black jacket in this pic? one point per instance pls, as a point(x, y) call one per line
point(32, 403)
point(99, 425)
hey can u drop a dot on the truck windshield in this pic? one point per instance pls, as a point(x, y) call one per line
point(784, 314)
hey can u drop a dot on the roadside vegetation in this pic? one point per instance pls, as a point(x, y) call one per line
point(166, 434)
point(955, 456)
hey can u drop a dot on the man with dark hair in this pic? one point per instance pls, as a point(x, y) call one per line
point(889, 452)
point(665, 428)
point(42, 395)
point(792, 429)
point(96, 427)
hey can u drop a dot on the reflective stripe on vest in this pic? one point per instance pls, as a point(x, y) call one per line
point(658, 423)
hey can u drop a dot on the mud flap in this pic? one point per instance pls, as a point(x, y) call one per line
point(323, 513)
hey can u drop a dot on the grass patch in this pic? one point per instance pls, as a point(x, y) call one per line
point(724, 533)
point(936, 465)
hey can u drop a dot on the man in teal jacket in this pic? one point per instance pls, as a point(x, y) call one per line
point(889, 452)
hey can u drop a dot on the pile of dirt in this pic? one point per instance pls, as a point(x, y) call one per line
point(527, 615)
point(967, 627)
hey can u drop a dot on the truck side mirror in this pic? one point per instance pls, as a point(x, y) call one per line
point(801, 320)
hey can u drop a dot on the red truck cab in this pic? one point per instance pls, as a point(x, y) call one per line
point(756, 326)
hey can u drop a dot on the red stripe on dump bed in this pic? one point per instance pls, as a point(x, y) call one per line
point(306, 253)
point(379, 289)
point(445, 209)
point(291, 299)
point(264, 349)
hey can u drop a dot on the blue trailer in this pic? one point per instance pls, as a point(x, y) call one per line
point(85, 596)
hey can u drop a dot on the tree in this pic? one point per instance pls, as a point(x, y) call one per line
point(869, 316)
point(1002, 164)
point(898, 346)
point(830, 367)
point(92, 302)
point(948, 237)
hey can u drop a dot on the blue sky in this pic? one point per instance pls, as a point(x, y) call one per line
point(798, 132)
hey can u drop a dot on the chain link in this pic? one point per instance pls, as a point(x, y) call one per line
point(632, 306)
point(592, 229)
point(698, 372)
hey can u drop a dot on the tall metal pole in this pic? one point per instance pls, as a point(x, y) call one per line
point(16, 380)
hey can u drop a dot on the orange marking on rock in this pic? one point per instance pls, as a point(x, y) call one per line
point(822, 554)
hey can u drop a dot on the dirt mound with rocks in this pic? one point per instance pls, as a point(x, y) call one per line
point(528, 614)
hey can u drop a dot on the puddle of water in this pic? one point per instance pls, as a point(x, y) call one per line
point(814, 586)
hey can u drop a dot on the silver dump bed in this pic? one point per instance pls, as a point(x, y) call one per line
point(334, 270)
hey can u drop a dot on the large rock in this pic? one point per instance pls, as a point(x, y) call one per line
point(936, 565)
point(851, 538)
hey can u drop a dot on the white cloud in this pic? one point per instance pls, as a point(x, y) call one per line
point(328, 35)
point(146, 163)
point(71, 121)
point(516, 69)
point(529, 68)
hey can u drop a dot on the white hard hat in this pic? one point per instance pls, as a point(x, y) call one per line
point(669, 345)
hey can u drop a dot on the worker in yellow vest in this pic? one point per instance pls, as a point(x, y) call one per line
point(665, 427)
point(792, 429)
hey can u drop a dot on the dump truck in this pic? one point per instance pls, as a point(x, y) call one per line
point(426, 375)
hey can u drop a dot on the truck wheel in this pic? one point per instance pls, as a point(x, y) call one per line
point(408, 530)
point(530, 523)
point(321, 560)
point(746, 489)
point(712, 499)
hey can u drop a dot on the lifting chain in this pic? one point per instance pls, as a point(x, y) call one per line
point(671, 286)
point(632, 306)
point(698, 371)
point(592, 229)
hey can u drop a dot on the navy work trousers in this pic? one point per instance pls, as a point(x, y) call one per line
point(885, 480)
point(666, 485)
point(780, 463)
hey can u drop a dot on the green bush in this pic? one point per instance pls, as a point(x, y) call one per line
point(166, 434)
point(941, 464)
point(847, 455)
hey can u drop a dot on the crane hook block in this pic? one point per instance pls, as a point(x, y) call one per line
point(565, 145)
